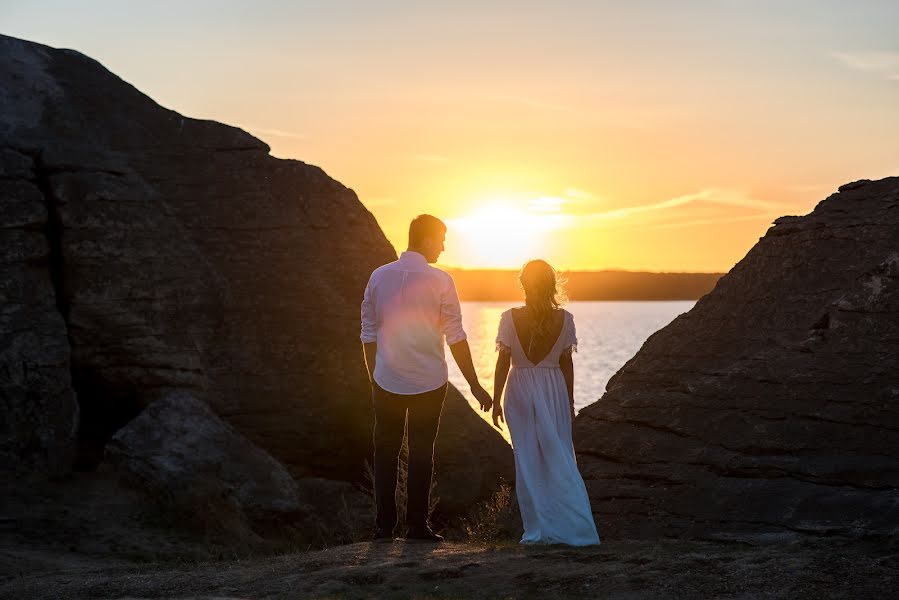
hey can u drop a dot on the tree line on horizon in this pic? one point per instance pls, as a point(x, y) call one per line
point(502, 285)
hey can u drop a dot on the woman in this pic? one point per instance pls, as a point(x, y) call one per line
point(537, 340)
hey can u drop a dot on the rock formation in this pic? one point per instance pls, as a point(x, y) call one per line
point(771, 407)
point(40, 414)
point(184, 456)
point(146, 253)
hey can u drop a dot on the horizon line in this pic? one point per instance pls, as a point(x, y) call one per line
point(605, 270)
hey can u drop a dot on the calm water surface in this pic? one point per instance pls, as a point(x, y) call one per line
point(609, 334)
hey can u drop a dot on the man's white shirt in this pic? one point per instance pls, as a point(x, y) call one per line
point(409, 308)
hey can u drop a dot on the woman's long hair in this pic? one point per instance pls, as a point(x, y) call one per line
point(542, 294)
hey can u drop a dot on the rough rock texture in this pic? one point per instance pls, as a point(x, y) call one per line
point(465, 465)
point(39, 411)
point(342, 513)
point(145, 252)
point(772, 407)
point(184, 456)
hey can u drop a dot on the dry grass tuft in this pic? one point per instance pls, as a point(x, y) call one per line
point(496, 522)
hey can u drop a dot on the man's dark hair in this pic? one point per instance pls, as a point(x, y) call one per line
point(424, 227)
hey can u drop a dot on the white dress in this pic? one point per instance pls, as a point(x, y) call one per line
point(555, 508)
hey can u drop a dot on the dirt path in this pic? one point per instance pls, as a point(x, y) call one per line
point(813, 569)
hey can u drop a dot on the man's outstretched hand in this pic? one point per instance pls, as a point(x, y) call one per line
point(483, 397)
point(462, 355)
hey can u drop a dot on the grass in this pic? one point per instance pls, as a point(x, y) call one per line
point(495, 522)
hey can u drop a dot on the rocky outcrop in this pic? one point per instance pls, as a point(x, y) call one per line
point(147, 253)
point(39, 411)
point(183, 456)
point(465, 464)
point(772, 407)
point(188, 258)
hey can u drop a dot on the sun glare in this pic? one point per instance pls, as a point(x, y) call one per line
point(502, 235)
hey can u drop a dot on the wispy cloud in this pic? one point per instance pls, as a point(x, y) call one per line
point(739, 198)
point(885, 64)
point(627, 211)
point(578, 194)
point(722, 197)
point(546, 204)
point(275, 132)
point(680, 224)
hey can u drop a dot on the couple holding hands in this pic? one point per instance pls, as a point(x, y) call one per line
point(408, 309)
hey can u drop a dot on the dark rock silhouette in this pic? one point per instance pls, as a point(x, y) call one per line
point(772, 407)
point(40, 414)
point(146, 253)
point(184, 456)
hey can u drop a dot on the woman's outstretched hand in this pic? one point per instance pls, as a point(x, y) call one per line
point(498, 415)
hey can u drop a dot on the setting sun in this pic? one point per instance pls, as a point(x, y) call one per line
point(503, 235)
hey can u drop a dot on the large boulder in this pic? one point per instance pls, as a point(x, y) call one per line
point(148, 253)
point(772, 407)
point(184, 457)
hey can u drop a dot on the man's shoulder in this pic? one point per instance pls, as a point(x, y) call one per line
point(429, 271)
point(440, 273)
point(385, 267)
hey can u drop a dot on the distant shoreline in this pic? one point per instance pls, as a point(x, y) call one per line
point(484, 285)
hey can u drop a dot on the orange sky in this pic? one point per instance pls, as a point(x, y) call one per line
point(587, 133)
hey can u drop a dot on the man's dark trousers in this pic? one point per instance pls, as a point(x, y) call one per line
point(390, 420)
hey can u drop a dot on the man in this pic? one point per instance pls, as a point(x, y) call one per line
point(408, 309)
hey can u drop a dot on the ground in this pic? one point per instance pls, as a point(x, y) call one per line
point(814, 568)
